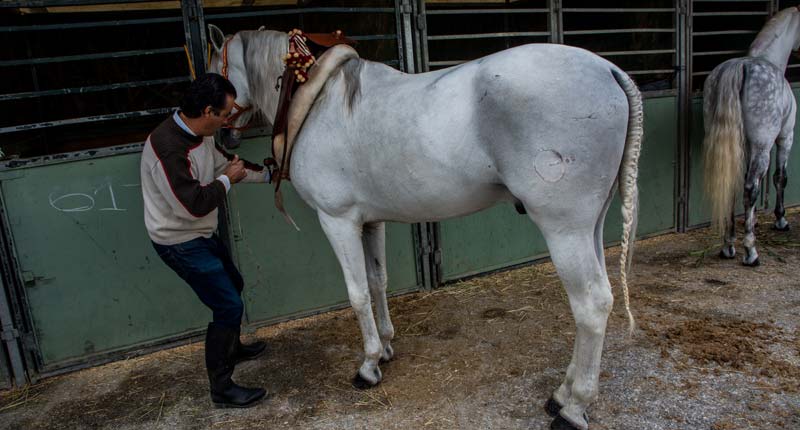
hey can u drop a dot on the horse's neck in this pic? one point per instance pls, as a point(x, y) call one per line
point(778, 50)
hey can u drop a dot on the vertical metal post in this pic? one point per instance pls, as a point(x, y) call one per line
point(683, 41)
point(194, 28)
point(556, 21)
point(406, 13)
point(414, 57)
point(9, 331)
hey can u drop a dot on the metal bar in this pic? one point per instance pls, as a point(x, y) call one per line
point(91, 89)
point(99, 56)
point(684, 105)
point(701, 74)
point(793, 66)
point(620, 30)
point(13, 28)
point(421, 35)
point(708, 53)
point(59, 3)
point(749, 13)
point(195, 34)
point(649, 72)
point(556, 21)
point(717, 33)
point(374, 37)
point(406, 11)
point(643, 52)
point(489, 35)
point(398, 18)
point(484, 11)
point(9, 334)
point(618, 10)
point(13, 319)
point(731, 1)
point(446, 63)
point(302, 11)
point(88, 119)
point(68, 157)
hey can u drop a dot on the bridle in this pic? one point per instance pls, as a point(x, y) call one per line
point(239, 109)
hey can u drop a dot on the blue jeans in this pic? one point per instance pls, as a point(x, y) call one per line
point(206, 265)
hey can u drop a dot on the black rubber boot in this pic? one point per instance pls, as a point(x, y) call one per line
point(220, 344)
point(242, 352)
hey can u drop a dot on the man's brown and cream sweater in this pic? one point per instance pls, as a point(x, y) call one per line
point(183, 185)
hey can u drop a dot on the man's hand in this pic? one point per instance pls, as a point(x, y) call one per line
point(235, 170)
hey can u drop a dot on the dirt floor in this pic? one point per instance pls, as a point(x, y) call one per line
point(717, 348)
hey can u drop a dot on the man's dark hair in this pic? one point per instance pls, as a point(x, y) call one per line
point(209, 89)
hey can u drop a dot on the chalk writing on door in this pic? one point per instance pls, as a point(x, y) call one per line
point(82, 202)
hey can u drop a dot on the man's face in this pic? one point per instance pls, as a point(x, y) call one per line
point(214, 119)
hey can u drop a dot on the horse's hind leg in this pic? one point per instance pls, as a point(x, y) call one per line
point(345, 238)
point(563, 393)
point(759, 162)
point(375, 258)
point(783, 146)
point(728, 248)
point(574, 255)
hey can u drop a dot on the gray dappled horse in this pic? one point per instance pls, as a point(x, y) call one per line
point(549, 127)
point(748, 106)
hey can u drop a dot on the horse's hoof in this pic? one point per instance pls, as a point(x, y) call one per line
point(727, 255)
point(552, 407)
point(754, 263)
point(561, 424)
point(361, 383)
point(388, 354)
point(783, 228)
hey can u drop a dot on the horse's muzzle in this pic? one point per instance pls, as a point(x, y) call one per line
point(230, 138)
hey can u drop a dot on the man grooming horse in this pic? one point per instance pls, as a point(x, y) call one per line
point(185, 178)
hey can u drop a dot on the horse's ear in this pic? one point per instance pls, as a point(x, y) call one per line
point(262, 28)
point(216, 36)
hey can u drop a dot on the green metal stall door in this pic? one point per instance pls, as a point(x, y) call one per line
point(288, 272)
point(792, 191)
point(5, 372)
point(699, 210)
point(94, 283)
point(499, 237)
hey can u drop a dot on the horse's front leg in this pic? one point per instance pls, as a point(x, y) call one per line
point(345, 238)
point(375, 258)
point(783, 146)
point(759, 162)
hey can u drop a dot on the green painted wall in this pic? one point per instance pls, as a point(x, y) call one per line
point(499, 237)
point(792, 192)
point(289, 272)
point(94, 283)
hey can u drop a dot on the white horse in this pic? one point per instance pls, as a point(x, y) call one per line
point(748, 106)
point(551, 128)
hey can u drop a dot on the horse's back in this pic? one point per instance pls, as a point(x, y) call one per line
point(454, 141)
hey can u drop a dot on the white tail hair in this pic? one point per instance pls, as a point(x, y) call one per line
point(628, 188)
point(724, 141)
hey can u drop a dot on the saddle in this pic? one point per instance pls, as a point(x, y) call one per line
point(304, 77)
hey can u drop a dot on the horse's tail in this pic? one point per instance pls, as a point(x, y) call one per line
point(724, 141)
point(628, 189)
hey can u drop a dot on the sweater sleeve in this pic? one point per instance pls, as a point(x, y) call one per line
point(254, 172)
point(187, 197)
